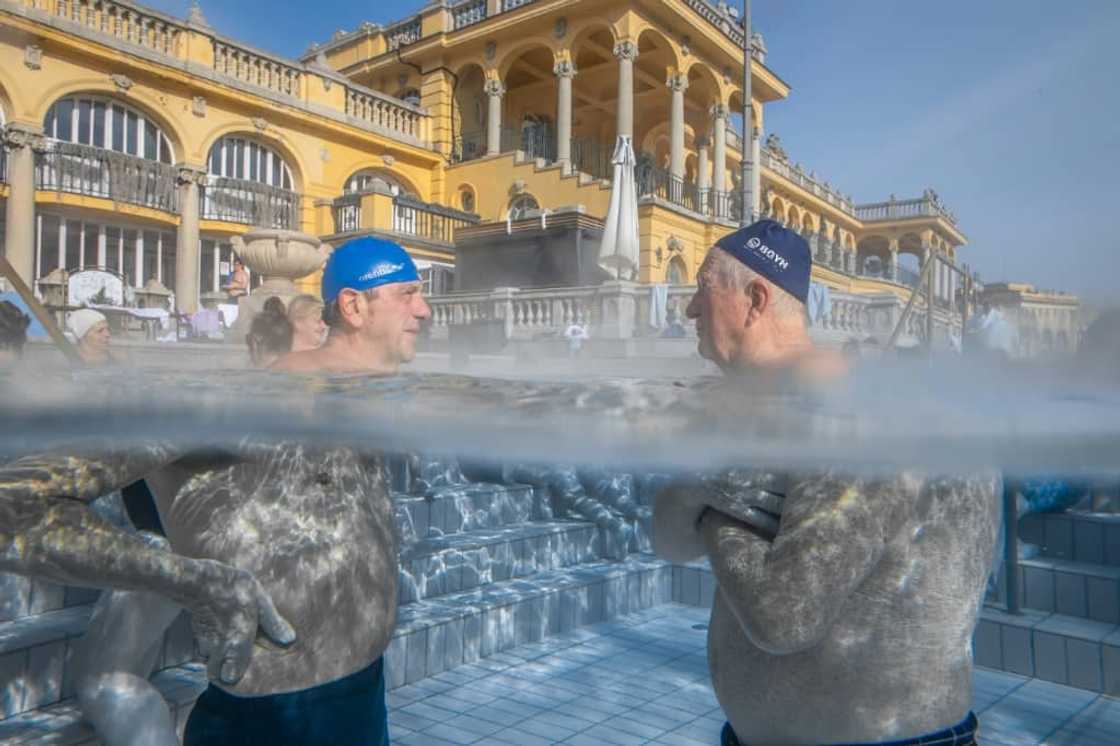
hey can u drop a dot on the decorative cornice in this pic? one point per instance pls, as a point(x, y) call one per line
point(720, 111)
point(185, 174)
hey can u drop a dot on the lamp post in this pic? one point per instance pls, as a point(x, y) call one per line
point(747, 214)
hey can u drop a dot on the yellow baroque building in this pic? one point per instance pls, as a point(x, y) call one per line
point(142, 143)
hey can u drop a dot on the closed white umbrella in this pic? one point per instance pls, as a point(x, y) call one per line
point(618, 252)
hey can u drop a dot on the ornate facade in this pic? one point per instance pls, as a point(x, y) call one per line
point(141, 142)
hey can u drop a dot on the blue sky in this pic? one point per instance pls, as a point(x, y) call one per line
point(1010, 109)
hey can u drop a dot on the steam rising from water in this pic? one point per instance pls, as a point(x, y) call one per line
point(947, 418)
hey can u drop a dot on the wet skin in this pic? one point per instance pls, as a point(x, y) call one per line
point(855, 623)
point(312, 530)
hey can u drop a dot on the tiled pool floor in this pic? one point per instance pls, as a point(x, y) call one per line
point(644, 679)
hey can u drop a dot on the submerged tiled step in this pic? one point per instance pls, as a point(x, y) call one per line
point(460, 509)
point(437, 634)
point(35, 655)
point(22, 597)
point(1078, 589)
point(1081, 537)
point(61, 724)
point(457, 562)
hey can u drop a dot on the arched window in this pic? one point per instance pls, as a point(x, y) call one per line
point(367, 180)
point(235, 157)
point(521, 206)
point(466, 200)
point(105, 123)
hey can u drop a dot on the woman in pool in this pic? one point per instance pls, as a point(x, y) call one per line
point(91, 332)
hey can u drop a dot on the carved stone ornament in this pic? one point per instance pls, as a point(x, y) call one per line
point(686, 45)
point(560, 30)
point(122, 82)
point(626, 50)
point(774, 145)
point(720, 111)
point(16, 138)
point(494, 87)
point(675, 245)
point(33, 57)
point(491, 51)
point(677, 82)
point(565, 69)
point(188, 175)
point(198, 106)
point(388, 160)
point(727, 75)
point(517, 187)
point(260, 123)
point(195, 17)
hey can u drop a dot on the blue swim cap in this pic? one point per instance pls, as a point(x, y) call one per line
point(366, 263)
point(775, 252)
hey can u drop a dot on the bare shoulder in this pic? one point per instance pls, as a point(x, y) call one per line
point(298, 362)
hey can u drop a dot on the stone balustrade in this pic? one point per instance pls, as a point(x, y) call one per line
point(928, 205)
point(157, 37)
point(96, 172)
point(124, 21)
point(621, 310)
point(383, 112)
point(795, 174)
point(468, 13)
point(404, 33)
point(257, 69)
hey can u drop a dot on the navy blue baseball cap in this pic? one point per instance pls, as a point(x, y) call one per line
point(775, 252)
point(366, 263)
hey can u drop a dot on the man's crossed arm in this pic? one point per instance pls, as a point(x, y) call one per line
point(48, 531)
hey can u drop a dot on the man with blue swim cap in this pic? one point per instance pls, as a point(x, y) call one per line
point(374, 306)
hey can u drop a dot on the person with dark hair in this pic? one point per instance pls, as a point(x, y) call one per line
point(13, 332)
point(270, 334)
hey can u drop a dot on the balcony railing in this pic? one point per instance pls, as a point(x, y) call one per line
point(249, 202)
point(468, 13)
point(513, 4)
point(126, 22)
point(427, 221)
point(537, 141)
point(384, 112)
point(347, 212)
point(593, 157)
point(403, 34)
point(257, 69)
point(96, 172)
point(722, 20)
point(927, 205)
point(659, 183)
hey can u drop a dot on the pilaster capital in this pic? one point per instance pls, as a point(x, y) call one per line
point(677, 82)
point(564, 69)
point(18, 136)
point(494, 88)
point(720, 112)
point(626, 50)
point(186, 174)
point(702, 141)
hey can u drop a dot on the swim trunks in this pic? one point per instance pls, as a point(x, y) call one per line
point(347, 712)
point(961, 734)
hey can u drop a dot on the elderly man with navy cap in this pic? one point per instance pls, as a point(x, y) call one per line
point(845, 604)
point(374, 306)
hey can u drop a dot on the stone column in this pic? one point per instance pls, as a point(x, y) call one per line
point(565, 70)
point(187, 239)
point(719, 156)
point(19, 228)
point(677, 84)
point(892, 266)
point(626, 52)
point(494, 91)
point(704, 176)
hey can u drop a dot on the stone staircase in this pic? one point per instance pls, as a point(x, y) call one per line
point(484, 568)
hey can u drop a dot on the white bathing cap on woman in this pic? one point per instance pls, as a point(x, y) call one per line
point(81, 321)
